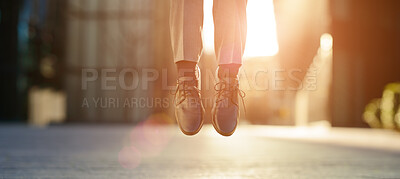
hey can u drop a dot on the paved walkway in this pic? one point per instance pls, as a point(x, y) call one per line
point(146, 151)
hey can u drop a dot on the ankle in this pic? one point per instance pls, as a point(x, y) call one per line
point(186, 69)
point(228, 70)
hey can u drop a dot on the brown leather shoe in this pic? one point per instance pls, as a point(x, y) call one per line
point(225, 113)
point(189, 109)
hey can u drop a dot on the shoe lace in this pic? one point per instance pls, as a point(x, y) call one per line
point(227, 90)
point(188, 88)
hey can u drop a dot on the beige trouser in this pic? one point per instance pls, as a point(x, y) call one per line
point(186, 24)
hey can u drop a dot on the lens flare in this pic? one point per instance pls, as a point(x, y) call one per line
point(151, 136)
point(129, 157)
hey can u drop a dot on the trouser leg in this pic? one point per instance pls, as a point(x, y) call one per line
point(186, 24)
point(230, 30)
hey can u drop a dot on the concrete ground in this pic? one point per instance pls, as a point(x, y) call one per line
point(151, 151)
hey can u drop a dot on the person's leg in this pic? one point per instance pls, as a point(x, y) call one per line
point(186, 23)
point(230, 23)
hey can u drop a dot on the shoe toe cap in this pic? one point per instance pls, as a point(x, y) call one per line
point(190, 122)
point(226, 123)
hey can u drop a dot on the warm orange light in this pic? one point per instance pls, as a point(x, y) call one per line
point(326, 42)
point(261, 29)
point(208, 27)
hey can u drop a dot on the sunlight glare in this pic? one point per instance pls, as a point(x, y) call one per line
point(326, 42)
point(208, 27)
point(261, 29)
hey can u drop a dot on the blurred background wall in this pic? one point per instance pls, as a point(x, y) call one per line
point(366, 55)
point(32, 50)
point(106, 35)
point(10, 107)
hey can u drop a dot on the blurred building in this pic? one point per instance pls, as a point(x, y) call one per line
point(366, 55)
point(31, 52)
point(10, 105)
point(109, 37)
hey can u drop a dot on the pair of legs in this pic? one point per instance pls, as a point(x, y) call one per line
point(186, 24)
